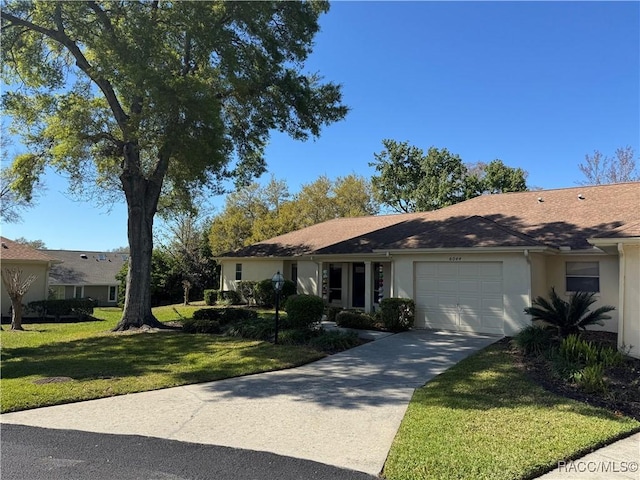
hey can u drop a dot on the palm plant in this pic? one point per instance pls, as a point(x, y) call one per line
point(568, 317)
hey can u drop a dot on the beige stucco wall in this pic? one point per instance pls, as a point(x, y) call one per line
point(556, 274)
point(630, 328)
point(252, 270)
point(38, 289)
point(515, 277)
point(539, 287)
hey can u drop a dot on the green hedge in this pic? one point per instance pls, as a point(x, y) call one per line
point(332, 312)
point(397, 314)
point(210, 297)
point(81, 307)
point(351, 319)
point(225, 316)
point(304, 310)
point(265, 294)
point(202, 325)
point(229, 297)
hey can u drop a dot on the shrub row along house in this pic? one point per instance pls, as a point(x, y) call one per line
point(63, 274)
point(473, 266)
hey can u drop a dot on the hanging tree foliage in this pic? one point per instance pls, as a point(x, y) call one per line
point(157, 99)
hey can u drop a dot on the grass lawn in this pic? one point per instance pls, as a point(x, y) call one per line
point(483, 419)
point(99, 363)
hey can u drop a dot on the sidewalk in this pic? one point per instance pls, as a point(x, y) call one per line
point(618, 461)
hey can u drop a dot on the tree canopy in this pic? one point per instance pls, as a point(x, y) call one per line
point(158, 99)
point(256, 213)
point(409, 180)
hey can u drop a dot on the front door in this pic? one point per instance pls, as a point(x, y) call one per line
point(358, 282)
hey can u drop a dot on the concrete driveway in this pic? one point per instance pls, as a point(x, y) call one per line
point(343, 410)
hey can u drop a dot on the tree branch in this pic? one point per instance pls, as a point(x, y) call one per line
point(83, 64)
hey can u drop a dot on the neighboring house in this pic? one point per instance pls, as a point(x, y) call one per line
point(31, 262)
point(86, 275)
point(473, 266)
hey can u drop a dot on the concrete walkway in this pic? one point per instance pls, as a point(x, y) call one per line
point(618, 461)
point(343, 410)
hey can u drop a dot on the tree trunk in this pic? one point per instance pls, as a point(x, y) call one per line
point(16, 314)
point(142, 196)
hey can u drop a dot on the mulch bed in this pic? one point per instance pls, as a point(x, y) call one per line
point(623, 383)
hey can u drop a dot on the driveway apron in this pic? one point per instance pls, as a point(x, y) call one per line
point(343, 410)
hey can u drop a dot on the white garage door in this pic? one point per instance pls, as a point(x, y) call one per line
point(465, 296)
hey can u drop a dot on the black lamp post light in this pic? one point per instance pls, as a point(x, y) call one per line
point(278, 281)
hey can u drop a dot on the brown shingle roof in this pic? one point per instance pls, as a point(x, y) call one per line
point(10, 250)
point(553, 218)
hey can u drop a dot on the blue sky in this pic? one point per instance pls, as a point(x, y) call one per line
point(535, 84)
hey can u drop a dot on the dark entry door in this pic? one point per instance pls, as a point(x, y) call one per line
point(358, 285)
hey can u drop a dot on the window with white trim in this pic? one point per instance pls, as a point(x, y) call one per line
point(582, 277)
point(56, 292)
point(238, 271)
point(113, 293)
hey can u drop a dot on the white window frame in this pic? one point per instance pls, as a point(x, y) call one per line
point(113, 298)
point(572, 271)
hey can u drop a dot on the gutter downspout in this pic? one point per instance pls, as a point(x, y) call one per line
point(621, 286)
point(528, 259)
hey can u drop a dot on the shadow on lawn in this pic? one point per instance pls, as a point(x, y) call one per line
point(127, 355)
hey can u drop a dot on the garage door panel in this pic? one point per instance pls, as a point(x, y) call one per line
point(490, 270)
point(447, 269)
point(492, 287)
point(469, 286)
point(468, 269)
point(466, 296)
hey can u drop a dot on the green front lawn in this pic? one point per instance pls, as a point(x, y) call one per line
point(48, 364)
point(484, 419)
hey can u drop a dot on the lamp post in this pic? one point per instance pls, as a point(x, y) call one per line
point(278, 281)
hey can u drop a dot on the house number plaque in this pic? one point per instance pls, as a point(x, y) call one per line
point(455, 259)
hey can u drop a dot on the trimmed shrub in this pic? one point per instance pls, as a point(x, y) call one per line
point(201, 325)
point(304, 310)
point(397, 314)
point(224, 316)
point(334, 341)
point(331, 312)
point(210, 297)
point(207, 314)
point(81, 307)
point(229, 297)
point(296, 337)
point(229, 315)
point(265, 294)
point(246, 289)
point(351, 319)
point(261, 329)
point(533, 340)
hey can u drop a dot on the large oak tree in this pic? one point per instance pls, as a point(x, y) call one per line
point(158, 97)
